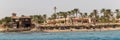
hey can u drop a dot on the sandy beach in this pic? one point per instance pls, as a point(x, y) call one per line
point(66, 30)
point(2, 29)
point(83, 30)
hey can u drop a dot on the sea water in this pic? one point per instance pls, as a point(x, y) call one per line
point(106, 35)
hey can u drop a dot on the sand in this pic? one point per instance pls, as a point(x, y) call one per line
point(83, 30)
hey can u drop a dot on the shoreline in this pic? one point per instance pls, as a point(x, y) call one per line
point(80, 30)
point(65, 30)
point(71, 30)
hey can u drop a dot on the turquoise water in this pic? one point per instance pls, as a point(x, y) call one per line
point(106, 35)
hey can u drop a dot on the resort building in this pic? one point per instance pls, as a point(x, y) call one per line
point(118, 20)
point(23, 21)
point(14, 21)
point(70, 20)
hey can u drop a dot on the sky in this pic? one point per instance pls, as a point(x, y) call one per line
point(36, 7)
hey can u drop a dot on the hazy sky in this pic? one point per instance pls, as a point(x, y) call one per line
point(32, 7)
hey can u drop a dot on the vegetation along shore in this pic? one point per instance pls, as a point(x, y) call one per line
point(67, 21)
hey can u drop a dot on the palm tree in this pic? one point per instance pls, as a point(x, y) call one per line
point(103, 10)
point(73, 13)
point(85, 14)
point(76, 11)
point(58, 14)
point(109, 14)
point(95, 14)
point(64, 15)
point(41, 18)
point(117, 13)
point(37, 18)
point(69, 13)
point(105, 15)
point(53, 16)
point(45, 17)
point(91, 15)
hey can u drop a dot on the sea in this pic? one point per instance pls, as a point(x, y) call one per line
point(104, 35)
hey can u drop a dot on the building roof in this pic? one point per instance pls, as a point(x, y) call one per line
point(25, 17)
point(63, 19)
point(14, 17)
point(76, 19)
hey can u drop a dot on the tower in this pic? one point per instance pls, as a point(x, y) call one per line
point(55, 9)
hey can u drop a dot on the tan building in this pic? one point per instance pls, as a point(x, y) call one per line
point(69, 20)
point(23, 21)
point(118, 20)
